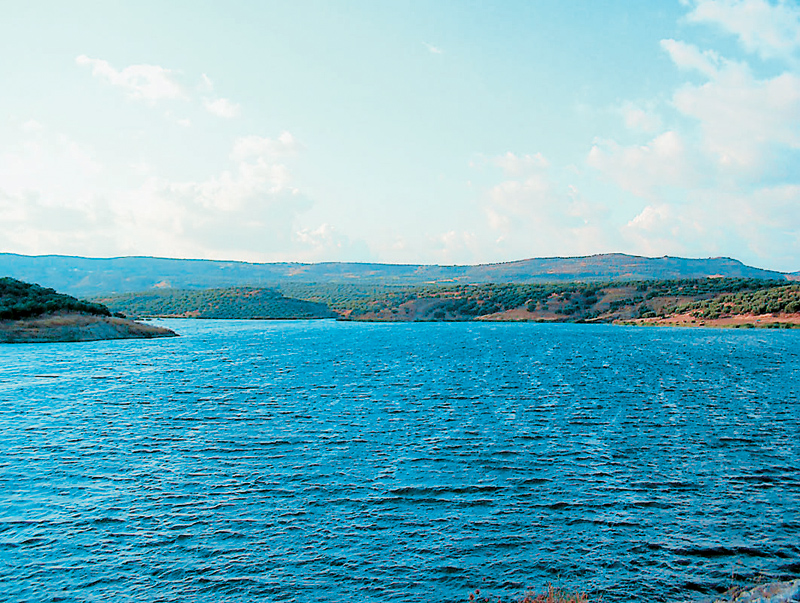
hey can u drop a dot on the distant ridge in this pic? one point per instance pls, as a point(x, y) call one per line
point(96, 276)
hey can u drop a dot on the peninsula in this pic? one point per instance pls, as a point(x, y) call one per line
point(30, 313)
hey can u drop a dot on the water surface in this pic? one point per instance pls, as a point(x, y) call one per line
point(325, 461)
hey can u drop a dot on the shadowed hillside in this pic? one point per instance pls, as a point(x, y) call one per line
point(234, 302)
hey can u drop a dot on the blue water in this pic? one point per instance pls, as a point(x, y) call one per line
point(325, 461)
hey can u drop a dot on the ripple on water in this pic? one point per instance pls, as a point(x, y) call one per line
point(294, 461)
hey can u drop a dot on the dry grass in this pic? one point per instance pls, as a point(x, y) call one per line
point(75, 327)
point(551, 595)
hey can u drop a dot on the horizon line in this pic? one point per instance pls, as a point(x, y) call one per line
point(409, 264)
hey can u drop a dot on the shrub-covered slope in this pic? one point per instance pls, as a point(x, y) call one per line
point(33, 314)
point(20, 300)
point(775, 300)
point(693, 299)
point(233, 302)
point(572, 302)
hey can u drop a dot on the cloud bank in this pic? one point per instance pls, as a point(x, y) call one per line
point(708, 165)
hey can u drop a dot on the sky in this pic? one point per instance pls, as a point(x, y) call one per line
point(401, 131)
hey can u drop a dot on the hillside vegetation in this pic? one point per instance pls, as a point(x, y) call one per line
point(693, 300)
point(233, 302)
point(20, 300)
point(574, 302)
point(30, 313)
point(774, 300)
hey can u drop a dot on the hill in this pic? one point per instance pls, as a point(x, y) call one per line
point(20, 300)
point(98, 276)
point(234, 302)
point(31, 313)
point(685, 301)
point(716, 301)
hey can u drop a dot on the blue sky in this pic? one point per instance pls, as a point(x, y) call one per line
point(416, 131)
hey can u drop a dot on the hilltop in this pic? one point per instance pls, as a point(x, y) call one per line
point(99, 276)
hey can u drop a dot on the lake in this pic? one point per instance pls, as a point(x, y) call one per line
point(333, 461)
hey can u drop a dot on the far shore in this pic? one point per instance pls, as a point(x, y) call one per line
point(746, 321)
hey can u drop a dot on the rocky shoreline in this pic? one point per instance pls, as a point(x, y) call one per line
point(772, 592)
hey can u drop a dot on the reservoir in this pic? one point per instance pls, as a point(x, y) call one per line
point(334, 461)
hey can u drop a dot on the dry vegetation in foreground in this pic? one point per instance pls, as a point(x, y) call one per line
point(772, 592)
point(552, 595)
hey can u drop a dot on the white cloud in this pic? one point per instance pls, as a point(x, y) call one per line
point(511, 200)
point(322, 237)
point(327, 243)
point(652, 217)
point(151, 83)
point(31, 126)
point(758, 227)
point(641, 119)
point(455, 247)
point(700, 184)
point(664, 229)
point(34, 224)
point(222, 107)
point(433, 49)
point(258, 146)
point(689, 56)
point(737, 126)
point(777, 206)
point(49, 162)
point(141, 168)
point(514, 165)
point(642, 169)
point(530, 214)
point(769, 30)
point(49, 195)
point(743, 119)
point(143, 82)
point(206, 85)
point(248, 211)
